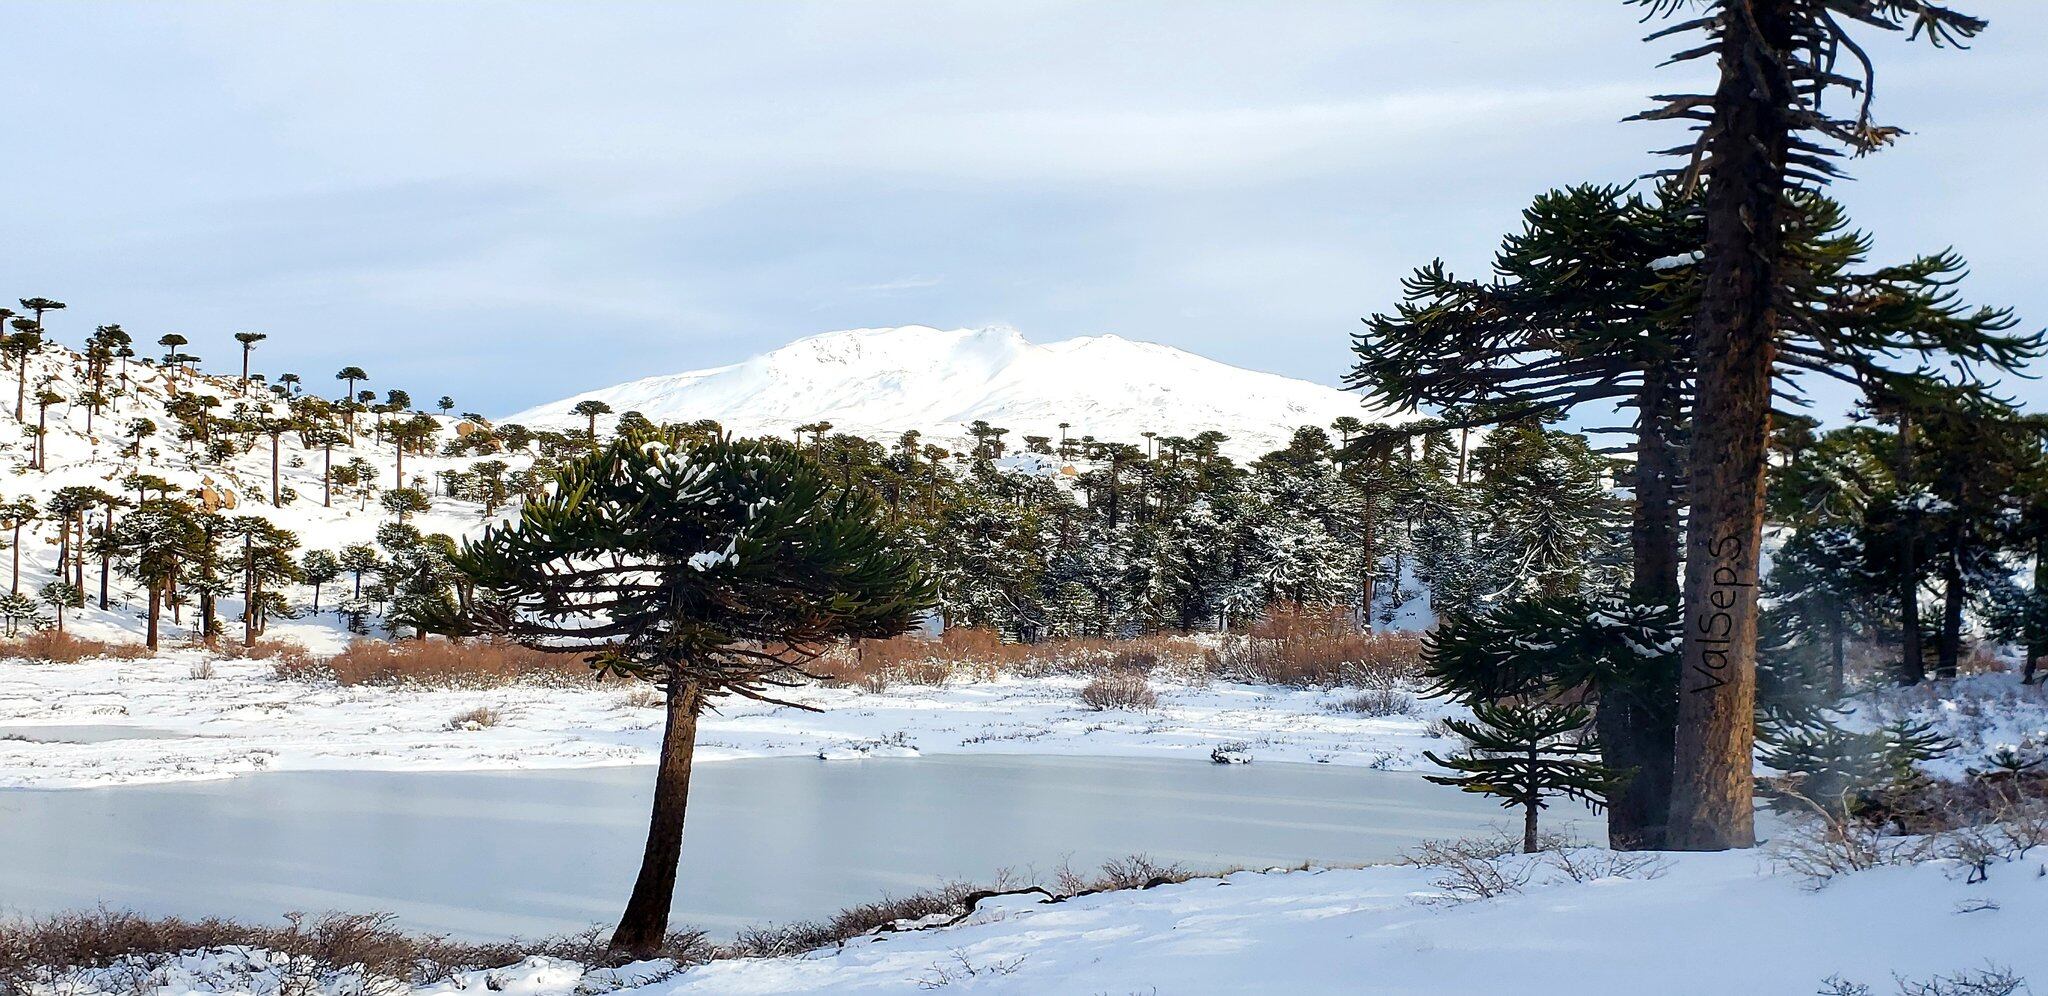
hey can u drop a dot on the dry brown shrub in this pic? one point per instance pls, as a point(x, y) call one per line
point(37, 952)
point(1319, 647)
point(446, 664)
point(969, 654)
point(1120, 690)
point(265, 650)
point(63, 648)
point(479, 718)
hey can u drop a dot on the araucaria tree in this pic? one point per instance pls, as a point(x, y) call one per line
point(1525, 755)
point(1589, 309)
point(1762, 130)
point(707, 567)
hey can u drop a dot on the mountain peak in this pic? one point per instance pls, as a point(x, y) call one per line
point(879, 382)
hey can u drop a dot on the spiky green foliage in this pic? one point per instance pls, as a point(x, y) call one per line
point(1540, 646)
point(1525, 755)
point(1592, 301)
point(1840, 768)
point(723, 563)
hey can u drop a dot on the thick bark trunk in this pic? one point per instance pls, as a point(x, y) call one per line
point(1636, 718)
point(156, 608)
point(1912, 657)
point(1712, 805)
point(645, 921)
point(2037, 640)
point(1530, 845)
point(1949, 652)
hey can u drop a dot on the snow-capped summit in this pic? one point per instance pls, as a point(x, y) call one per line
point(880, 382)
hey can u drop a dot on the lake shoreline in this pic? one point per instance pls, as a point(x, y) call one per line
point(242, 719)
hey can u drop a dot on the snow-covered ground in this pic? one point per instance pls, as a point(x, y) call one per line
point(1982, 713)
point(1709, 923)
point(1695, 923)
point(879, 382)
point(242, 719)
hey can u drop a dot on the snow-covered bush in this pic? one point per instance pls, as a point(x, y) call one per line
point(1120, 690)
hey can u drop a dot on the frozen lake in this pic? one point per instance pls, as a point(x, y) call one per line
point(490, 854)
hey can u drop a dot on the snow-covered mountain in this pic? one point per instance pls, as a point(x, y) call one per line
point(880, 382)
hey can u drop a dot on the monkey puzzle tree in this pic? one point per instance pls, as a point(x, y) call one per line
point(40, 305)
point(153, 542)
point(707, 567)
point(1590, 308)
point(105, 343)
point(591, 409)
point(1525, 755)
point(349, 376)
point(1762, 130)
point(19, 346)
point(248, 341)
point(317, 568)
point(266, 564)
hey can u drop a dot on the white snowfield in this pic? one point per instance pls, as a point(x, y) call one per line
point(1689, 924)
point(879, 382)
point(243, 720)
point(1708, 924)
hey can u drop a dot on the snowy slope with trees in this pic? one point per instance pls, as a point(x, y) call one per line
point(881, 382)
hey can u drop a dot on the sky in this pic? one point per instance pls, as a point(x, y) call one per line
point(510, 203)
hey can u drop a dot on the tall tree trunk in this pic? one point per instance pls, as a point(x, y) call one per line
point(16, 588)
point(1712, 805)
point(107, 561)
point(248, 592)
point(2037, 633)
point(1369, 539)
point(1949, 652)
point(1912, 657)
point(1636, 719)
point(645, 921)
point(156, 608)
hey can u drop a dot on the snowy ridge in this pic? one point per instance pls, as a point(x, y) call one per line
point(881, 382)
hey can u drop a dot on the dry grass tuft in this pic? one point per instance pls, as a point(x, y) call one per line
point(441, 664)
point(479, 718)
point(1377, 703)
point(1320, 647)
point(1120, 690)
point(364, 954)
point(63, 648)
point(367, 955)
point(1303, 647)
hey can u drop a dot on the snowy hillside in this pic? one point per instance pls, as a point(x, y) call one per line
point(880, 382)
point(329, 494)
